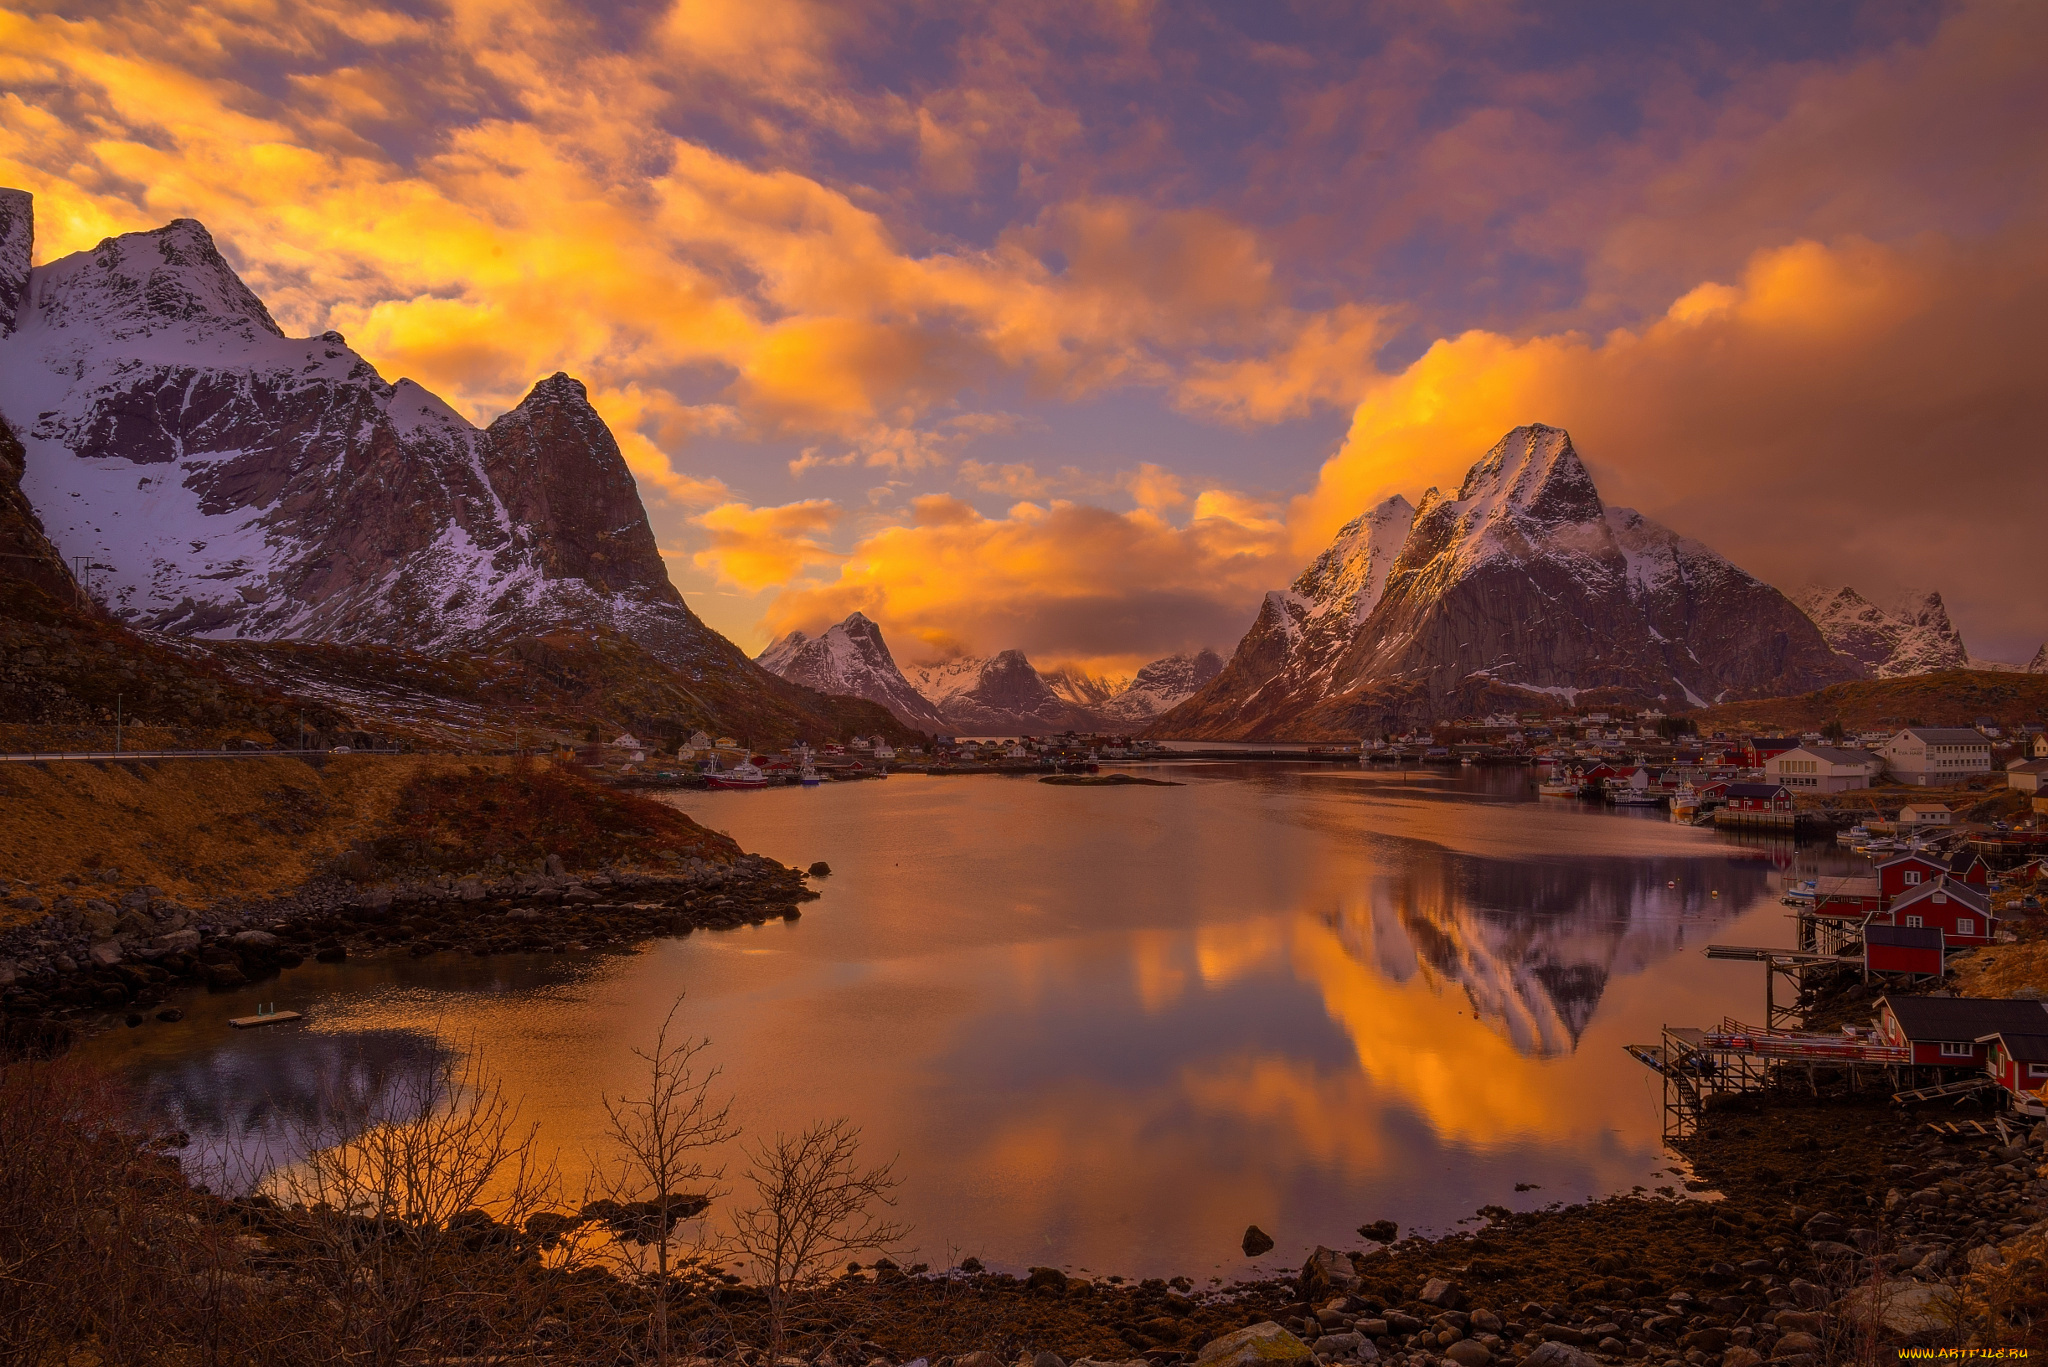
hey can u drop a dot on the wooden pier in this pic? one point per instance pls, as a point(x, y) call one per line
point(264, 1018)
point(1701, 1066)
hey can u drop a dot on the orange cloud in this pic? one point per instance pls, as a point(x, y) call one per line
point(756, 548)
point(1847, 409)
point(1066, 580)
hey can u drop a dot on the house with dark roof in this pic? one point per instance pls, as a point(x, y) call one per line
point(1947, 1032)
point(2019, 1060)
point(1962, 912)
point(1904, 949)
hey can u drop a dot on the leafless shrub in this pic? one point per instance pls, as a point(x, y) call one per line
point(816, 1207)
point(102, 1243)
point(661, 1174)
point(412, 1227)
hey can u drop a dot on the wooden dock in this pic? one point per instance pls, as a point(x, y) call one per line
point(266, 1018)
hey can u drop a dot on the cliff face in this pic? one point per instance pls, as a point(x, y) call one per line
point(1523, 587)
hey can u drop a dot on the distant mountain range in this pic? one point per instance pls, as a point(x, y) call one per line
point(1001, 695)
point(226, 482)
point(1522, 589)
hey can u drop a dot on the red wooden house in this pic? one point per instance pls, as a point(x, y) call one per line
point(1717, 791)
point(1756, 749)
point(1903, 949)
point(1947, 1032)
point(1968, 866)
point(1961, 911)
point(1758, 797)
point(1902, 873)
point(2019, 1060)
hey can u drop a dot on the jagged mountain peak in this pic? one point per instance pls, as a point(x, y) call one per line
point(2039, 664)
point(852, 659)
point(1349, 577)
point(1524, 584)
point(170, 280)
point(1910, 634)
point(1533, 472)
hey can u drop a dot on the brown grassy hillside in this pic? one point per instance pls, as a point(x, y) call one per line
point(1949, 697)
point(203, 830)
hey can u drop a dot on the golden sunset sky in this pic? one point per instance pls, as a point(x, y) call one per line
point(1075, 327)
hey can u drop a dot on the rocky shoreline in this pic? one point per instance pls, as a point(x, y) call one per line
point(84, 959)
point(1819, 1230)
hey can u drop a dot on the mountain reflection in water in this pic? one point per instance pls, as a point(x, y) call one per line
point(1109, 1028)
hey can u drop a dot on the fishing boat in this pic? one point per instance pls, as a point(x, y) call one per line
point(1855, 835)
point(745, 774)
point(1685, 803)
point(808, 775)
point(1560, 787)
point(1636, 797)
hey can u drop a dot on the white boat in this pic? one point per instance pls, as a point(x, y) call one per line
point(808, 775)
point(1635, 797)
point(1855, 835)
point(745, 774)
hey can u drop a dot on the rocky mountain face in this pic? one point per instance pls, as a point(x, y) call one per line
point(1524, 588)
point(2039, 664)
point(1158, 687)
point(852, 659)
point(229, 482)
point(1911, 638)
point(1000, 695)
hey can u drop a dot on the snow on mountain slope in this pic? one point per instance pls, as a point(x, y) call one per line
point(1526, 584)
point(1158, 687)
point(1083, 689)
point(2039, 664)
point(229, 481)
point(852, 659)
point(1910, 637)
point(998, 696)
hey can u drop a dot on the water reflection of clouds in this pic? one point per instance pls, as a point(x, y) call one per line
point(253, 1111)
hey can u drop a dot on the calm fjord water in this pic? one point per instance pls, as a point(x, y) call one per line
point(1109, 1028)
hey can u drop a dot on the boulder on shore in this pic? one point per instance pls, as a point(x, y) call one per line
point(1257, 1345)
point(1256, 1241)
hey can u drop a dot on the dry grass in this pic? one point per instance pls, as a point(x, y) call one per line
point(198, 829)
point(2001, 970)
point(1949, 697)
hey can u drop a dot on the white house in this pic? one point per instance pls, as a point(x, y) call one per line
point(1822, 769)
point(1937, 756)
point(630, 748)
point(1925, 814)
point(2025, 775)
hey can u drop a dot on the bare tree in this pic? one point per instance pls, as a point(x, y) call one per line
point(413, 1225)
point(816, 1206)
point(662, 1175)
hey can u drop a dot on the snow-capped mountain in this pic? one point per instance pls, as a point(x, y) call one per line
point(852, 659)
point(226, 481)
point(1911, 638)
point(2039, 664)
point(229, 481)
point(1524, 587)
point(1081, 688)
point(998, 696)
point(1158, 687)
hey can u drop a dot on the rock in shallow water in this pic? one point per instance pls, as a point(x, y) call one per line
point(1256, 1241)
